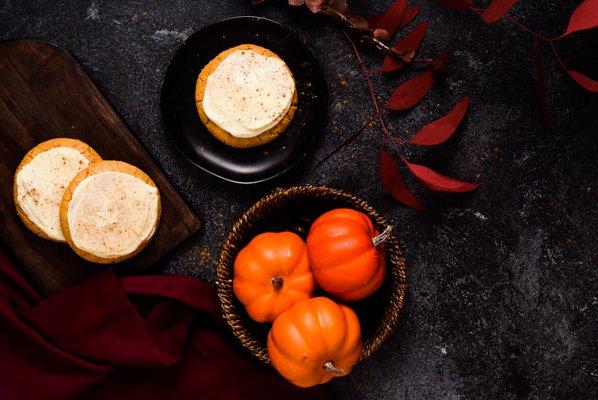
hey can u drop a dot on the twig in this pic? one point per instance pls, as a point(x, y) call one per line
point(558, 58)
point(520, 24)
point(527, 29)
point(367, 35)
point(533, 33)
point(351, 138)
point(541, 85)
point(366, 74)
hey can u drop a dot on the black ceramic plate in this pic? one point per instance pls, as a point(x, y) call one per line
point(182, 123)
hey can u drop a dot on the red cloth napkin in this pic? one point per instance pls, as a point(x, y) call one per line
point(149, 337)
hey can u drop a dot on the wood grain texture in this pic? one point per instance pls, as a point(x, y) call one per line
point(44, 94)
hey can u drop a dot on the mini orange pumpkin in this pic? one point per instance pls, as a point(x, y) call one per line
point(314, 341)
point(271, 274)
point(344, 254)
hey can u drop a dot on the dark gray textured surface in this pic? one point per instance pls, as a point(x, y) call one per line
point(503, 283)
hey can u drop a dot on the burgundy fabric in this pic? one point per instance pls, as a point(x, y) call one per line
point(150, 337)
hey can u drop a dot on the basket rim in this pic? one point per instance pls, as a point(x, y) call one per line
point(396, 268)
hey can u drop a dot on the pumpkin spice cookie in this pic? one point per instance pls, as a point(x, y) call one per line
point(41, 179)
point(246, 96)
point(110, 211)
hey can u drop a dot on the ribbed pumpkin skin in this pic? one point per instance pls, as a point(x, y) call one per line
point(310, 334)
point(343, 258)
point(272, 255)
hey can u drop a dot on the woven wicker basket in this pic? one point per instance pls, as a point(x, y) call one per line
point(294, 209)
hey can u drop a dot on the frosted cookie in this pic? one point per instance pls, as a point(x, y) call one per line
point(41, 179)
point(110, 211)
point(246, 96)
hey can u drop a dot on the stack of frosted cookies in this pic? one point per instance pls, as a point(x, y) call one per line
point(107, 211)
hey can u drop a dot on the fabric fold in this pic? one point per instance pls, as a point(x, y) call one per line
point(120, 338)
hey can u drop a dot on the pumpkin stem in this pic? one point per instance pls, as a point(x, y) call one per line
point(329, 366)
point(277, 282)
point(381, 238)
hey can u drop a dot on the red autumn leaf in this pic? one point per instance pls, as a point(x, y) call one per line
point(391, 64)
point(496, 10)
point(584, 17)
point(456, 4)
point(390, 20)
point(434, 181)
point(410, 42)
point(409, 15)
point(584, 81)
point(438, 131)
point(414, 39)
point(410, 92)
point(392, 180)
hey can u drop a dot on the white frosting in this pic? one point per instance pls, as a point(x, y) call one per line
point(112, 213)
point(41, 184)
point(248, 93)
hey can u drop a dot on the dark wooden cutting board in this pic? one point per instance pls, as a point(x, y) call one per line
point(44, 93)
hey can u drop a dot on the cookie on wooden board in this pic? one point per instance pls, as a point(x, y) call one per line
point(221, 134)
point(110, 212)
point(41, 178)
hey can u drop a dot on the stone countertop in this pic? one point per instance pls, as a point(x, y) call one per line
point(502, 299)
